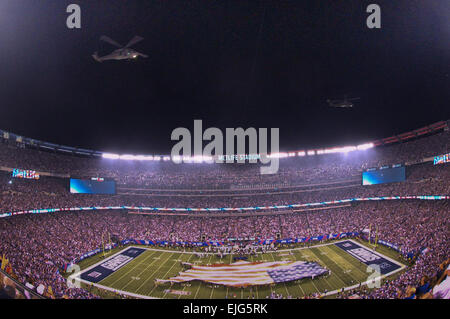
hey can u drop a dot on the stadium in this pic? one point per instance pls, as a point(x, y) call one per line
point(200, 153)
point(145, 229)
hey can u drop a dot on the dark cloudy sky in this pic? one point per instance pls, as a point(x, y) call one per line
point(229, 63)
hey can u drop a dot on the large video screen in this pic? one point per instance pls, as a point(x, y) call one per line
point(81, 186)
point(385, 175)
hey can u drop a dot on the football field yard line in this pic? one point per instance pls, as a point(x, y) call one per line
point(284, 284)
point(166, 275)
point(256, 287)
point(184, 287)
point(198, 289)
point(307, 258)
point(349, 261)
point(324, 257)
point(341, 270)
point(137, 265)
point(325, 279)
point(129, 270)
point(150, 277)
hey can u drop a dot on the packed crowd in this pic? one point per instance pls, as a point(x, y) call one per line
point(48, 192)
point(168, 175)
point(37, 246)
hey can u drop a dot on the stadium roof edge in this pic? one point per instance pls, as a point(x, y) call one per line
point(429, 129)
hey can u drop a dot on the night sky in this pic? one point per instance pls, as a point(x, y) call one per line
point(229, 63)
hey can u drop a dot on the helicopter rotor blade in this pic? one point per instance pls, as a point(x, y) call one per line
point(142, 54)
point(110, 41)
point(135, 40)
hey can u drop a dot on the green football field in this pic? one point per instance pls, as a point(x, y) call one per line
point(137, 277)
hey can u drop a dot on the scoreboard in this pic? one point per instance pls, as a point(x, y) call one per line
point(82, 186)
point(396, 173)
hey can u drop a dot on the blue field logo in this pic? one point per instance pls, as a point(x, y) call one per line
point(100, 272)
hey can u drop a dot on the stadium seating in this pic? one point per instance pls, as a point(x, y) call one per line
point(38, 246)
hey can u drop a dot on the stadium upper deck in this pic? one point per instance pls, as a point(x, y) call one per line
point(163, 174)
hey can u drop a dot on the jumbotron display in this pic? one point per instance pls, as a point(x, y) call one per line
point(80, 186)
point(384, 175)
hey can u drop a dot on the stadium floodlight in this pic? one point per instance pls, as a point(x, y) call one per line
point(291, 154)
point(186, 159)
point(110, 156)
point(365, 146)
point(127, 157)
point(311, 152)
point(157, 158)
point(143, 157)
point(176, 159)
point(197, 159)
point(347, 149)
point(208, 159)
point(277, 155)
point(301, 153)
point(166, 158)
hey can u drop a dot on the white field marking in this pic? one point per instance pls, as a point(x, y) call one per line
point(317, 289)
point(325, 277)
point(184, 286)
point(285, 287)
point(256, 287)
point(201, 283)
point(164, 277)
point(339, 257)
point(211, 294)
point(129, 270)
point(336, 273)
point(156, 258)
point(149, 277)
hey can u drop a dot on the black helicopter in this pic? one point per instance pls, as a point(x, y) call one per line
point(342, 103)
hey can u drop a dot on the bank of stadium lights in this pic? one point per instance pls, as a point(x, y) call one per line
point(192, 159)
point(129, 157)
point(210, 159)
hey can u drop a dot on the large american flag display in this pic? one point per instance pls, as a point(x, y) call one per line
point(243, 273)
